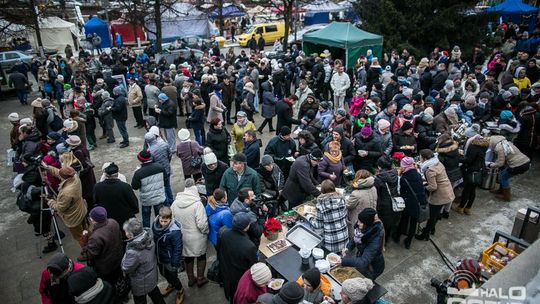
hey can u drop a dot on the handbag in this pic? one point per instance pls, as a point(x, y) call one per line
point(213, 273)
point(196, 160)
point(423, 209)
point(398, 203)
point(122, 287)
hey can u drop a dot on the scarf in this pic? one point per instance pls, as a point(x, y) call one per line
point(91, 293)
point(333, 159)
point(428, 163)
point(358, 235)
point(507, 148)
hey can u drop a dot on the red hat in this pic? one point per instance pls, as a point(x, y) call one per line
point(445, 53)
point(144, 156)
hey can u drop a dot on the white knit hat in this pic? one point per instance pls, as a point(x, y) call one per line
point(183, 134)
point(13, 117)
point(357, 288)
point(26, 121)
point(260, 273)
point(209, 158)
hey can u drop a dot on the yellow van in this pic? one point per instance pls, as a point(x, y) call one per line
point(270, 32)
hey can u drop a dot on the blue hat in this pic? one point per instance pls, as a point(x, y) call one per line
point(506, 114)
point(241, 220)
point(434, 93)
point(163, 97)
point(54, 135)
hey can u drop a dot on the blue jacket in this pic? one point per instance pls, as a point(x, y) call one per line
point(218, 218)
point(252, 150)
point(168, 243)
point(369, 259)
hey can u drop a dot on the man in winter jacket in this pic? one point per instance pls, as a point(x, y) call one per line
point(284, 112)
point(166, 111)
point(236, 253)
point(104, 248)
point(162, 156)
point(280, 147)
point(340, 83)
point(135, 98)
point(239, 176)
point(116, 196)
point(245, 203)
point(119, 113)
point(20, 82)
point(252, 149)
point(168, 239)
point(301, 181)
point(440, 78)
point(150, 179)
point(152, 92)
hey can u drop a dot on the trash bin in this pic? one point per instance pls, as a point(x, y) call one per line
point(530, 234)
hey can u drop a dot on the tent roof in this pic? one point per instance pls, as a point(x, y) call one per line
point(342, 35)
point(228, 11)
point(180, 10)
point(54, 22)
point(513, 7)
point(95, 22)
point(324, 7)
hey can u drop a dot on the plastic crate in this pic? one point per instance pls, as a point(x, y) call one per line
point(488, 261)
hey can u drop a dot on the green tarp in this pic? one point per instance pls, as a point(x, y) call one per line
point(344, 40)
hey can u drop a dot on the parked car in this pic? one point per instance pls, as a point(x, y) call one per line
point(9, 58)
point(172, 55)
point(270, 32)
point(301, 32)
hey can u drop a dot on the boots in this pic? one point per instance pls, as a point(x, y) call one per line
point(189, 271)
point(201, 267)
point(180, 296)
point(506, 194)
point(445, 215)
point(424, 236)
point(458, 209)
point(51, 246)
point(407, 243)
point(496, 190)
point(467, 211)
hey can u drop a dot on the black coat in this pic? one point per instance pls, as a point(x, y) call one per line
point(426, 135)
point(450, 158)
point(530, 128)
point(384, 200)
point(401, 139)
point(119, 108)
point(213, 178)
point(196, 119)
point(301, 182)
point(369, 259)
point(252, 150)
point(279, 148)
point(285, 116)
point(426, 80)
point(167, 116)
point(104, 248)
point(474, 158)
point(412, 191)
point(439, 80)
point(117, 198)
point(372, 146)
point(236, 254)
point(219, 141)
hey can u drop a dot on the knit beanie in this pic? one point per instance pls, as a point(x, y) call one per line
point(291, 293)
point(383, 124)
point(98, 214)
point(506, 94)
point(240, 157)
point(66, 172)
point(367, 216)
point(59, 262)
point(285, 131)
point(267, 160)
point(366, 131)
point(407, 163)
point(427, 118)
point(209, 158)
point(260, 273)
point(313, 276)
point(81, 281)
point(111, 169)
point(506, 114)
point(407, 125)
point(144, 156)
point(357, 288)
point(316, 155)
point(470, 102)
point(241, 220)
point(13, 117)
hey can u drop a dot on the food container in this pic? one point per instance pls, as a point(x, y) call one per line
point(317, 253)
point(497, 256)
point(305, 254)
point(306, 208)
point(322, 265)
point(276, 284)
point(278, 245)
point(340, 274)
point(333, 259)
point(302, 237)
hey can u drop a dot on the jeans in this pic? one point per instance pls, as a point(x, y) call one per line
point(121, 124)
point(155, 296)
point(168, 193)
point(146, 212)
point(508, 173)
point(23, 96)
point(199, 136)
point(170, 136)
point(256, 101)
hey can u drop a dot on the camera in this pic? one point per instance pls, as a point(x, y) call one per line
point(442, 289)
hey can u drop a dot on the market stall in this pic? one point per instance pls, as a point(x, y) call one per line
point(55, 33)
point(126, 31)
point(517, 12)
point(182, 20)
point(344, 41)
point(228, 11)
point(100, 27)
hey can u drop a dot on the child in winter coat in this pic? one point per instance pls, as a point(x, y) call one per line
point(357, 101)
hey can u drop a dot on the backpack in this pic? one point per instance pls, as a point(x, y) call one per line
point(57, 124)
point(25, 201)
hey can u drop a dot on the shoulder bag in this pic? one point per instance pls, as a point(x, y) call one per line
point(398, 203)
point(196, 160)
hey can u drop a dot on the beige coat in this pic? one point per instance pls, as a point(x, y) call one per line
point(216, 108)
point(69, 203)
point(438, 185)
point(365, 196)
point(135, 96)
point(511, 160)
point(188, 209)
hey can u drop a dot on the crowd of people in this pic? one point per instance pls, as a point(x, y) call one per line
point(383, 128)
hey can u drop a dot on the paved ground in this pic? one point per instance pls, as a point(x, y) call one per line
point(407, 272)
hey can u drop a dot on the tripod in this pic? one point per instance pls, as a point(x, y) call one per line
point(45, 187)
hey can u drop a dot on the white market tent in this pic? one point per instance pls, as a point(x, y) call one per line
point(324, 7)
point(55, 34)
point(182, 20)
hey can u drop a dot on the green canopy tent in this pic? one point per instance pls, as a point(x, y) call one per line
point(343, 40)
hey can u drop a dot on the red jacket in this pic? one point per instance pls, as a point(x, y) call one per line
point(247, 291)
point(46, 278)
